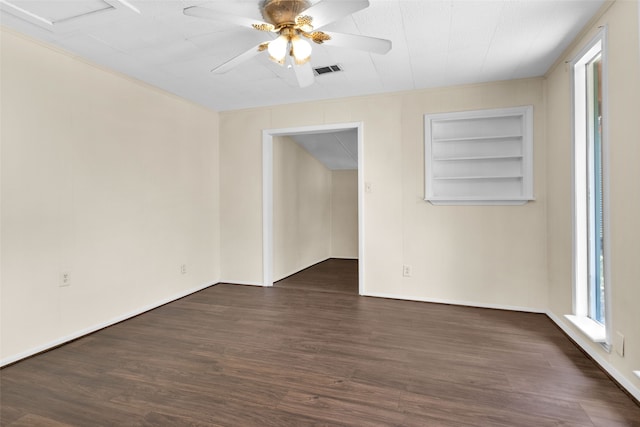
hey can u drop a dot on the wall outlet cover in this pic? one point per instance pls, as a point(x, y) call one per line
point(406, 270)
point(65, 279)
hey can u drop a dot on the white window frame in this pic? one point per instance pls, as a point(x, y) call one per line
point(580, 317)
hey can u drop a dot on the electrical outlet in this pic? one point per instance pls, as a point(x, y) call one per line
point(183, 269)
point(65, 279)
point(406, 270)
point(618, 343)
point(367, 187)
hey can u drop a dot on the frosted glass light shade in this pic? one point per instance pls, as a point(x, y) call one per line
point(278, 49)
point(301, 50)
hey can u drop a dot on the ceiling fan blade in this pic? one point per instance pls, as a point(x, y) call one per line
point(206, 13)
point(354, 41)
point(236, 60)
point(304, 74)
point(328, 11)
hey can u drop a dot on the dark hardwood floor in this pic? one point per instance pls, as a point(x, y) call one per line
point(315, 355)
point(333, 275)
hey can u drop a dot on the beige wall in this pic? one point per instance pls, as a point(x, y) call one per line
point(481, 255)
point(124, 234)
point(103, 177)
point(624, 137)
point(344, 214)
point(301, 209)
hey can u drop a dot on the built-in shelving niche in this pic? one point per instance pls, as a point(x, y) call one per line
point(479, 157)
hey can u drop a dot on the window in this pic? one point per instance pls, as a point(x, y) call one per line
point(591, 258)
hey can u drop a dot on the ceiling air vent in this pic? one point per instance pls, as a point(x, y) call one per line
point(326, 70)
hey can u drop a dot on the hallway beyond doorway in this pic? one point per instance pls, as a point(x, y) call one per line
point(333, 275)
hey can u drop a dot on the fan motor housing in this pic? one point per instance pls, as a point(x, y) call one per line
point(281, 12)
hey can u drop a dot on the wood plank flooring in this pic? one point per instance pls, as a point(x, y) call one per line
point(315, 355)
point(333, 275)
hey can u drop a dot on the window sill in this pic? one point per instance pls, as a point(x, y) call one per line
point(592, 329)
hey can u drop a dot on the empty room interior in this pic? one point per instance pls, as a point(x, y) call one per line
point(324, 212)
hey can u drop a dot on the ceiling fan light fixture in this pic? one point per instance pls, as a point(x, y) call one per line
point(300, 50)
point(278, 49)
point(294, 32)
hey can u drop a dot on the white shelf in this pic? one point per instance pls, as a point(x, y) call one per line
point(478, 138)
point(453, 158)
point(479, 157)
point(478, 177)
point(476, 201)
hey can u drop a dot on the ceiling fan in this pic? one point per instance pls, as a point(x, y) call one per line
point(294, 23)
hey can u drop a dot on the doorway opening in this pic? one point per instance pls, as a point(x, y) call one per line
point(268, 137)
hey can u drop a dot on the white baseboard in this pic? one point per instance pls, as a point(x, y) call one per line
point(604, 364)
point(86, 331)
point(454, 302)
point(238, 282)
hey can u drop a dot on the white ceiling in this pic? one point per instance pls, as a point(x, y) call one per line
point(337, 150)
point(435, 43)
